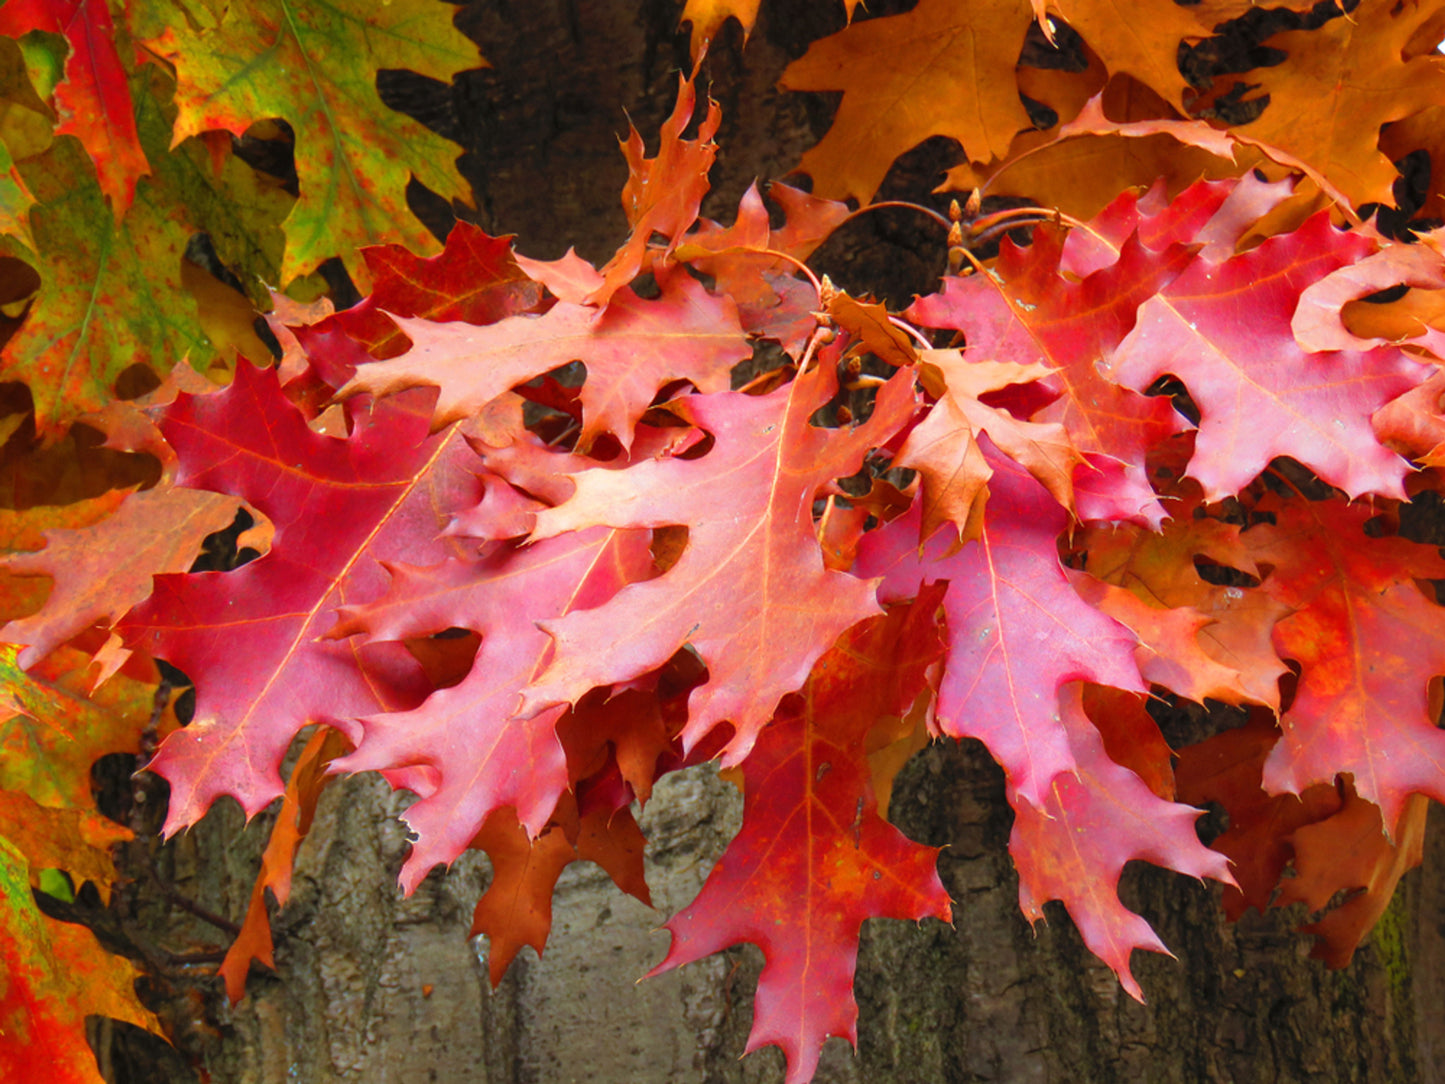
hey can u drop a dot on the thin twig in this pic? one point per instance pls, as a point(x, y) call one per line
point(903, 204)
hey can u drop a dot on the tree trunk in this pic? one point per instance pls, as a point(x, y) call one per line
point(371, 987)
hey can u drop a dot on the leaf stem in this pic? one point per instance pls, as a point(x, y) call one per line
point(928, 212)
point(904, 325)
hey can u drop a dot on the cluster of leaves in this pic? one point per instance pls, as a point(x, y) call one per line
point(1157, 447)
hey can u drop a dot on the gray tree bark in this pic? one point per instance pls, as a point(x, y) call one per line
point(370, 987)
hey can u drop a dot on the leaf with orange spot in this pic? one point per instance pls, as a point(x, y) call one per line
point(814, 858)
point(1368, 643)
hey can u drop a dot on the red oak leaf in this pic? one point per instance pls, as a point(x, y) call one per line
point(662, 194)
point(298, 808)
point(1026, 312)
point(525, 476)
point(516, 908)
point(870, 326)
point(1228, 654)
point(1170, 649)
point(631, 349)
point(743, 262)
point(1131, 736)
point(1350, 852)
point(750, 591)
point(1017, 630)
point(1213, 215)
point(567, 278)
point(1226, 769)
point(814, 858)
point(633, 728)
point(1224, 329)
point(944, 446)
point(337, 507)
point(101, 571)
point(475, 756)
point(1334, 839)
point(1318, 321)
point(474, 280)
point(1093, 820)
point(1414, 424)
point(1368, 643)
point(94, 101)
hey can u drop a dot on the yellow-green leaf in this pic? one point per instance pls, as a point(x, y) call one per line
point(315, 66)
point(110, 295)
point(56, 731)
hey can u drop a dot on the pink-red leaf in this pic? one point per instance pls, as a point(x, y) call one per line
point(1027, 313)
point(1093, 820)
point(1017, 630)
point(631, 349)
point(750, 591)
point(249, 638)
point(1224, 329)
point(475, 755)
